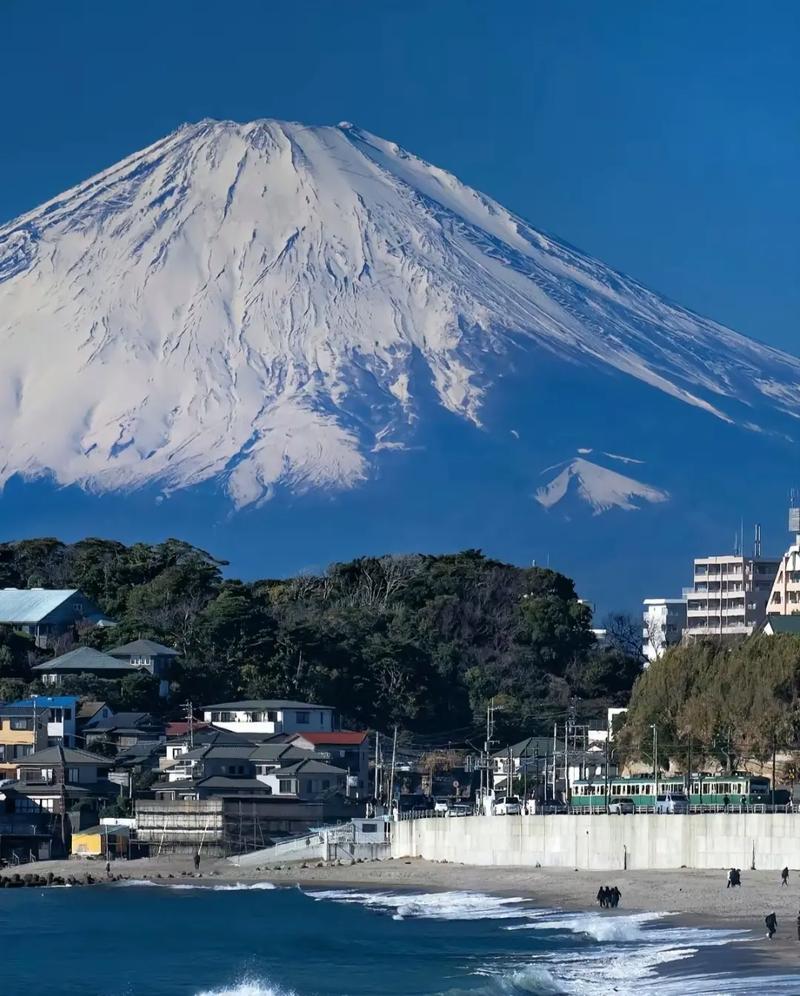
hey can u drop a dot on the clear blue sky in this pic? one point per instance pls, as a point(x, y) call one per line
point(662, 137)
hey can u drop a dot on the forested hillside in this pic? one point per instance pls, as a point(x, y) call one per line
point(421, 641)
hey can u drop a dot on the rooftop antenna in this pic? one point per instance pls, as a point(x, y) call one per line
point(757, 542)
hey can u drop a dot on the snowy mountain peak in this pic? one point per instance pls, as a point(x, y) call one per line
point(599, 487)
point(269, 302)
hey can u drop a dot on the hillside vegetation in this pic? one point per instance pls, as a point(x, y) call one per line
point(730, 704)
point(421, 641)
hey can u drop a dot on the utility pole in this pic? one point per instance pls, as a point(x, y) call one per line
point(394, 760)
point(375, 789)
point(487, 748)
point(608, 755)
point(189, 707)
point(655, 758)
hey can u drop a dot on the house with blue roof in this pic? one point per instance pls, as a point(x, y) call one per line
point(47, 613)
point(62, 717)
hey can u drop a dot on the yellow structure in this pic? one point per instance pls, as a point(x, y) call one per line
point(100, 842)
point(18, 738)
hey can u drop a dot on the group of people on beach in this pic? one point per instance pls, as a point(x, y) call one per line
point(609, 898)
point(734, 878)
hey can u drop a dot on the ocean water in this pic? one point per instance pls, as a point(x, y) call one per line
point(256, 940)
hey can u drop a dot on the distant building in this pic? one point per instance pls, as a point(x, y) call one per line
point(784, 598)
point(23, 730)
point(307, 780)
point(150, 656)
point(62, 719)
point(124, 729)
point(46, 614)
point(270, 716)
point(776, 625)
point(728, 599)
point(83, 660)
point(664, 620)
point(343, 749)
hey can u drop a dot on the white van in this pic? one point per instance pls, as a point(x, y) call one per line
point(672, 802)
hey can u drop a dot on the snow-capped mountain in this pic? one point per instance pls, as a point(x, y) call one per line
point(602, 488)
point(270, 304)
point(247, 302)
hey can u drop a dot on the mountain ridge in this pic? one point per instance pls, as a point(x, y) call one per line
point(275, 310)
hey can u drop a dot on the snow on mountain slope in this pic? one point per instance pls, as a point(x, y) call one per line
point(601, 488)
point(249, 302)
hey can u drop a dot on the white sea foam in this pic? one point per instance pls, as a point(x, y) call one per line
point(434, 905)
point(218, 887)
point(248, 986)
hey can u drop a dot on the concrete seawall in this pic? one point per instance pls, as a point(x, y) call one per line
point(642, 841)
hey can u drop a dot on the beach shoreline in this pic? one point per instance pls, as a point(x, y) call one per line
point(684, 897)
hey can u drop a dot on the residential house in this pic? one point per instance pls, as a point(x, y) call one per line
point(269, 757)
point(64, 783)
point(83, 661)
point(344, 749)
point(23, 730)
point(62, 722)
point(47, 614)
point(124, 729)
point(92, 712)
point(270, 716)
point(204, 761)
point(153, 657)
point(307, 780)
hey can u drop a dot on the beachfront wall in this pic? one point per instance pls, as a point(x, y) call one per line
point(641, 841)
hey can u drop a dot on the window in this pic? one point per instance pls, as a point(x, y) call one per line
point(21, 750)
point(303, 717)
point(272, 716)
point(369, 827)
point(285, 786)
point(21, 723)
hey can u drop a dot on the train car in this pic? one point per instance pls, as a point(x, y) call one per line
point(714, 791)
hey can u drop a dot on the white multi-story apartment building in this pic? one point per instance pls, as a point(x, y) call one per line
point(270, 716)
point(728, 599)
point(664, 620)
point(784, 599)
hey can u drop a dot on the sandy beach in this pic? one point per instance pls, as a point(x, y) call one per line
point(698, 897)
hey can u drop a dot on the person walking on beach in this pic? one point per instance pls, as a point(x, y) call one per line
point(731, 872)
point(616, 895)
point(601, 895)
point(197, 861)
point(772, 924)
point(784, 877)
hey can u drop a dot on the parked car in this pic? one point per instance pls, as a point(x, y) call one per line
point(507, 805)
point(672, 802)
point(459, 809)
point(621, 805)
point(441, 805)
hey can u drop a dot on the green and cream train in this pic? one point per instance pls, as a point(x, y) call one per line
point(706, 790)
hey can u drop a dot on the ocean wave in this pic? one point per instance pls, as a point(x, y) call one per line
point(216, 887)
point(249, 986)
point(433, 905)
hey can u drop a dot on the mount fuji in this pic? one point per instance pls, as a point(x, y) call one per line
point(295, 344)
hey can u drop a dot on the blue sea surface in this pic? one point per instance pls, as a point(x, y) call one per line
point(253, 940)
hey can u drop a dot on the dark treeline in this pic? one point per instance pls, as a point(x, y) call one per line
point(421, 641)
